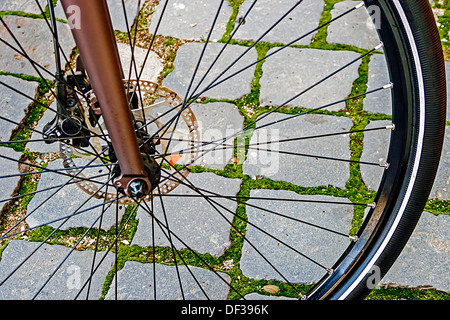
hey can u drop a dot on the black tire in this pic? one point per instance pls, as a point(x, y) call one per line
point(414, 53)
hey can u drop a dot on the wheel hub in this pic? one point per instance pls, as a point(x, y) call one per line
point(167, 153)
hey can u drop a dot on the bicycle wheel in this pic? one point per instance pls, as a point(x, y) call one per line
point(297, 143)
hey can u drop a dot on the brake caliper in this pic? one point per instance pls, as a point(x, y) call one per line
point(70, 119)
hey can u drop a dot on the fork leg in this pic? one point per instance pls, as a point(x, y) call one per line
point(94, 37)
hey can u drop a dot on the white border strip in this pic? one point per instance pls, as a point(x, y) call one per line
point(418, 154)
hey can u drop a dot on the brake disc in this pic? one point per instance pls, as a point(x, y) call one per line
point(154, 109)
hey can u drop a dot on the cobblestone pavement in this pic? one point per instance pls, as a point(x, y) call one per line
point(425, 262)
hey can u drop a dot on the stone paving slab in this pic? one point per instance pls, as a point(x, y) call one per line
point(13, 104)
point(37, 41)
point(355, 29)
point(195, 220)
point(9, 167)
point(41, 146)
point(186, 62)
point(376, 144)
point(291, 71)
point(425, 261)
point(67, 281)
point(115, 10)
point(381, 101)
point(191, 20)
point(301, 21)
point(441, 187)
point(135, 282)
point(284, 167)
point(28, 6)
point(68, 200)
point(217, 120)
point(320, 245)
point(256, 296)
point(152, 68)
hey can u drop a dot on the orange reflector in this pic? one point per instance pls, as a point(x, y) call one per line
point(175, 158)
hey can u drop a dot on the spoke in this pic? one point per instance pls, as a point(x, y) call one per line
point(107, 251)
point(241, 22)
point(240, 200)
point(203, 51)
point(162, 226)
point(57, 171)
point(226, 146)
point(94, 134)
point(204, 262)
point(42, 243)
point(204, 143)
point(133, 64)
point(57, 76)
point(116, 255)
point(214, 205)
point(214, 84)
point(168, 236)
point(243, 198)
point(58, 49)
point(45, 170)
point(36, 66)
point(153, 39)
point(388, 86)
point(194, 75)
point(53, 139)
point(153, 246)
point(67, 256)
point(298, 154)
point(47, 189)
point(188, 101)
point(251, 146)
point(78, 212)
point(244, 146)
point(281, 105)
point(171, 243)
point(64, 140)
point(96, 245)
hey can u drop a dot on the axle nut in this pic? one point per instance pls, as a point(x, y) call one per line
point(137, 188)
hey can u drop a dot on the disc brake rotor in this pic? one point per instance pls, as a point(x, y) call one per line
point(155, 108)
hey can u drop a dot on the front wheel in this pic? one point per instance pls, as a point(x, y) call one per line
point(264, 122)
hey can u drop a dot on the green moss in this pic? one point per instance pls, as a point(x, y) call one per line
point(34, 113)
point(235, 4)
point(321, 35)
point(407, 294)
point(437, 206)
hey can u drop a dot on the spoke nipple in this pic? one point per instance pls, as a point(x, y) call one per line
point(354, 238)
point(390, 85)
point(381, 45)
point(372, 205)
point(384, 165)
point(360, 5)
point(390, 127)
point(330, 271)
